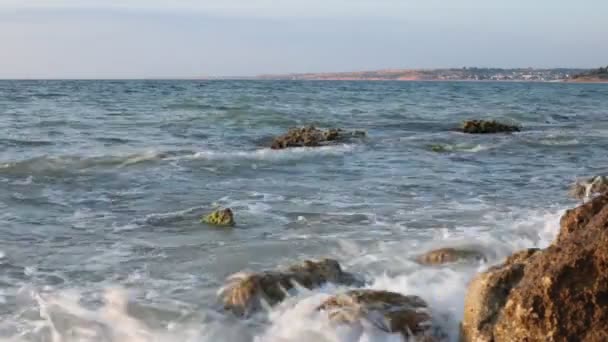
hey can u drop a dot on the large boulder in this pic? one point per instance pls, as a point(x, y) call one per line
point(388, 311)
point(556, 294)
point(246, 292)
point(220, 217)
point(312, 137)
point(447, 255)
point(487, 126)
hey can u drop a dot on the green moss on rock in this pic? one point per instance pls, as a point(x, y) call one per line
point(220, 217)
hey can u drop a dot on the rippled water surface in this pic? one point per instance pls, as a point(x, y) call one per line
point(102, 184)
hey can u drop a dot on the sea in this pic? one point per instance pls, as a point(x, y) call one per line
point(103, 183)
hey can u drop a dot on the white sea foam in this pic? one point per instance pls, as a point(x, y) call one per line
point(64, 319)
point(269, 154)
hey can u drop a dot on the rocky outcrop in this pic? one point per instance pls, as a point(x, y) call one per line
point(587, 188)
point(246, 292)
point(556, 294)
point(450, 255)
point(313, 137)
point(220, 217)
point(388, 311)
point(487, 126)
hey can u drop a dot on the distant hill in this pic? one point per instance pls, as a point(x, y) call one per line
point(454, 74)
point(595, 75)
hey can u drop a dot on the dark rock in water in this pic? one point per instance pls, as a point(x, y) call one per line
point(486, 126)
point(388, 311)
point(450, 255)
point(220, 217)
point(246, 292)
point(587, 188)
point(556, 294)
point(313, 137)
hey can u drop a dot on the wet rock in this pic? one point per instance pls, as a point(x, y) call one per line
point(313, 137)
point(487, 126)
point(556, 294)
point(246, 292)
point(450, 255)
point(388, 311)
point(220, 217)
point(587, 188)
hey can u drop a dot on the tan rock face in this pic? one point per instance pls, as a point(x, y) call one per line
point(246, 292)
point(389, 311)
point(556, 294)
point(450, 255)
point(312, 137)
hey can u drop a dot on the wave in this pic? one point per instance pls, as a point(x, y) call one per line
point(59, 164)
point(63, 317)
point(269, 154)
point(51, 165)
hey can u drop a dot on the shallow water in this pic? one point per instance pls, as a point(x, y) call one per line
point(103, 183)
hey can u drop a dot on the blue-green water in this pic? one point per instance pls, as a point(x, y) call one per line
point(102, 184)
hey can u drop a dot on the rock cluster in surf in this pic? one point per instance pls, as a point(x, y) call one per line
point(311, 136)
point(245, 293)
point(556, 294)
point(487, 126)
point(388, 311)
point(220, 217)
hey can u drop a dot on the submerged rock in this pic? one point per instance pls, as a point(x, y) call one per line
point(587, 188)
point(487, 126)
point(556, 294)
point(247, 292)
point(312, 137)
point(220, 217)
point(388, 311)
point(449, 255)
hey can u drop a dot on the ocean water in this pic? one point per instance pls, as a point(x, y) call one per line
point(102, 184)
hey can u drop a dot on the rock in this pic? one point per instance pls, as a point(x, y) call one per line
point(388, 311)
point(312, 137)
point(587, 188)
point(576, 219)
point(246, 292)
point(487, 295)
point(486, 126)
point(556, 294)
point(220, 217)
point(450, 255)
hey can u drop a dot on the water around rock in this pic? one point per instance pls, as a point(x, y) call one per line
point(586, 188)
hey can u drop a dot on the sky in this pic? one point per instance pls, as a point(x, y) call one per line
point(199, 38)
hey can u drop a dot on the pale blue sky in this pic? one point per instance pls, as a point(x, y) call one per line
point(188, 38)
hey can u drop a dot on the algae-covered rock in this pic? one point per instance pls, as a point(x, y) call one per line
point(220, 217)
point(246, 292)
point(587, 188)
point(450, 255)
point(487, 126)
point(389, 311)
point(313, 137)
